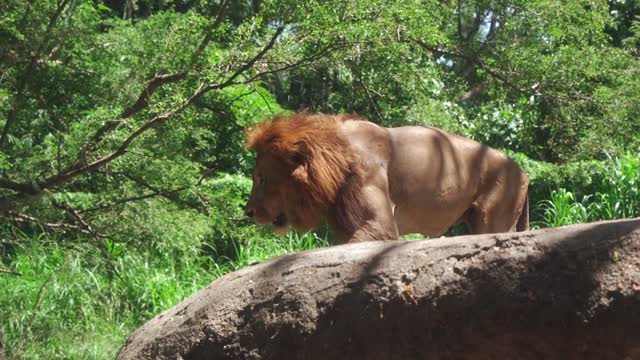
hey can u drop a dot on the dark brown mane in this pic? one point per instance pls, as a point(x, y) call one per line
point(315, 142)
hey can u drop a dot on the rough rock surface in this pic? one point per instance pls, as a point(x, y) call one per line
point(563, 293)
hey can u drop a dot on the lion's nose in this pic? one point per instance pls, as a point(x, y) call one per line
point(249, 212)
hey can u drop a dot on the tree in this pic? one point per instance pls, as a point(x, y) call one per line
point(102, 112)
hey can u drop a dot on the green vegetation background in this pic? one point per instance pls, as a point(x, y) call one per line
point(122, 168)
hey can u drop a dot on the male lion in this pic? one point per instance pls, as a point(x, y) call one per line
point(376, 183)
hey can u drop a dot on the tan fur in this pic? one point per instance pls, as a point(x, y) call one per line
point(360, 178)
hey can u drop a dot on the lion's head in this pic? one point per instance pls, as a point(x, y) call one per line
point(301, 163)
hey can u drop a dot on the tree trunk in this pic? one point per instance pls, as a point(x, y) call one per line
point(563, 293)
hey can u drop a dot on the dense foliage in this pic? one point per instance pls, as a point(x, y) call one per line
point(122, 168)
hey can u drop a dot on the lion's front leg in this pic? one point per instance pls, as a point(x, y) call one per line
point(373, 230)
point(370, 219)
point(382, 224)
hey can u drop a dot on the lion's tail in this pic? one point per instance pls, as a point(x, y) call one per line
point(523, 220)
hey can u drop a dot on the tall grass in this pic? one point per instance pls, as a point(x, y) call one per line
point(618, 197)
point(260, 250)
point(71, 303)
point(621, 189)
point(563, 209)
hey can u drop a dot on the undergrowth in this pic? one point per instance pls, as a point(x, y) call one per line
point(618, 197)
point(69, 302)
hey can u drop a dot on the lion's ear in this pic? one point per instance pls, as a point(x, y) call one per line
point(301, 173)
point(301, 161)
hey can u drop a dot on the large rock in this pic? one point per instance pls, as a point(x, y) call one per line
point(563, 293)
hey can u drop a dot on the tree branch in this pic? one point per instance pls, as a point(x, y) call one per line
point(492, 30)
point(76, 169)
point(288, 66)
point(209, 34)
point(167, 194)
point(459, 18)
point(203, 89)
point(23, 218)
point(477, 21)
point(154, 84)
point(529, 91)
point(370, 99)
point(477, 61)
point(24, 188)
point(97, 236)
point(163, 193)
point(5, 271)
point(250, 63)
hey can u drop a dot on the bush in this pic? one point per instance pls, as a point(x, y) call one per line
point(581, 178)
point(617, 196)
point(563, 209)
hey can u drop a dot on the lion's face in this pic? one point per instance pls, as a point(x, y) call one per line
point(302, 162)
point(271, 193)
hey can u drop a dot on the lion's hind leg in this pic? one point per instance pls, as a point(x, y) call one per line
point(492, 214)
point(523, 219)
point(484, 219)
point(499, 207)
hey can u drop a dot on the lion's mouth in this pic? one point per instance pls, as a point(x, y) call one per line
point(280, 220)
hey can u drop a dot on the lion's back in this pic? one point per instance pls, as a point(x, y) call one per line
point(434, 176)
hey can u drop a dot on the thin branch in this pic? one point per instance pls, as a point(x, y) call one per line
point(72, 172)
point(202, 89)
point(477, 21)
point(38, 302)
point(266, 102)
point(532, 90)
point(209, 33)
point(164, 193)
point(492, 30)
point(24, 218)
point(34, 309)
point(5, 271)
point(459, 5)
point(141, 103)
point(167, 194)
point(477, 61)
point(97, 236)
point(297, 63)
point(24, 188)
point(370, 99)
point(230, 102)
point(250, 63)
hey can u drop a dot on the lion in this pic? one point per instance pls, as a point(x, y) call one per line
point(374, 183)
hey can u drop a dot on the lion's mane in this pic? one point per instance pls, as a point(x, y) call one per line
point(332, 178)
